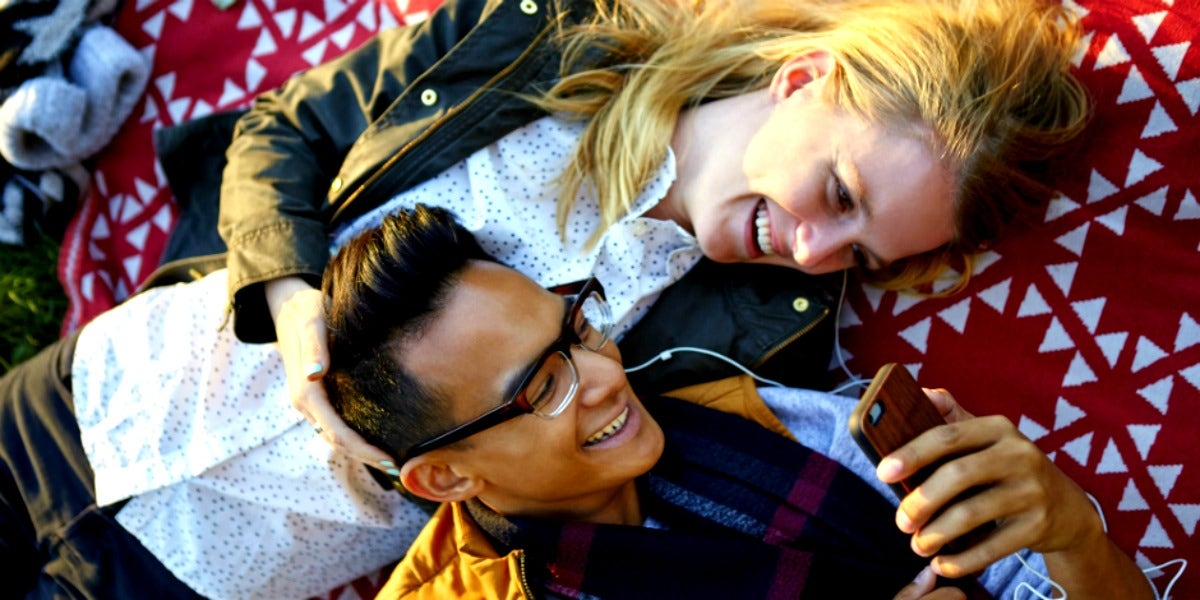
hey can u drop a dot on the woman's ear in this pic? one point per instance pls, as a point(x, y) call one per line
point(437, 480)
point(799, 72)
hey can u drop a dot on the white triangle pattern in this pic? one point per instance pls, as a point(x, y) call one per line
point(1158, 123)
point(1155, 536)
point(1033, 304)
point(1135, 88)
point(1171, 57)
point(1165, 477)
point(1111, 461)
point(1147, 353)
point(996, 296)
point(1056, 338)
point(917, 335)
point(1031, 429)
point(905, 302)
point(1190, 92)
point(1063, 275)
point(1066, 413)
point(1079, 448)
point(286, 21)
point(1188, 209)
point(1191, 375)
point(1099, 188)
point(1111, 345)
point(1073, 240)
point(1078, 373)
point(1158, 393)
point(1189, 333)
point(956, 315)
point(1113, 53)
point(1143, 437)
point(1140, 166)
point(1089, 312)
point(1060, 206)
point(1154, 201)
point(1132, 499)
point(1148, 24)
point(1188, 515)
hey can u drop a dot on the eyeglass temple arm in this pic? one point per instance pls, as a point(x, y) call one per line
point(487, 420)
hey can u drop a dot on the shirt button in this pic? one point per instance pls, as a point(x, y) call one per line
point(529, 7)
point(335, 185)
point(429, 97)
point(800, 304)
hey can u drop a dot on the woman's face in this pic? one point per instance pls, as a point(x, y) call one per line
point(786, 178)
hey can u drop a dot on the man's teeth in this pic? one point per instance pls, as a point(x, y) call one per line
point(608, 431)
point(762, 221)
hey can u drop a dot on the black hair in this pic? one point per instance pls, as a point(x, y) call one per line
point(382, 290)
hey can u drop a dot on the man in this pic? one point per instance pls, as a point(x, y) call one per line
point(440, 355)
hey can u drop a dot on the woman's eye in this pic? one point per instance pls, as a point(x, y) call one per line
point(845, 201)
point(860, 258)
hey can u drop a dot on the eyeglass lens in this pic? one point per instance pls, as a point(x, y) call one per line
point(552, 385)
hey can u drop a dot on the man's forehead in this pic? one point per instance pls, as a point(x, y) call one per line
point(494, 323)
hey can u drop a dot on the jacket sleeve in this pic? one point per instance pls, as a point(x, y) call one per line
point(289, 146)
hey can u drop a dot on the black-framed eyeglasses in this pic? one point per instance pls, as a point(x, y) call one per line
point(549, 386)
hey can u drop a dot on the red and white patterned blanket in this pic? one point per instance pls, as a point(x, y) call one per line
point(1085, 332)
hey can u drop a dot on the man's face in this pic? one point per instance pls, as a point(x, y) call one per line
point(495, 325)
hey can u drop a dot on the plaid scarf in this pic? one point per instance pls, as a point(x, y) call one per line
point(748, 514)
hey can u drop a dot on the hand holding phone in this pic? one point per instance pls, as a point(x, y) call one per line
point(892, 412)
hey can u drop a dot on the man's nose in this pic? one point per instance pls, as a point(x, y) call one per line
point(600, 375)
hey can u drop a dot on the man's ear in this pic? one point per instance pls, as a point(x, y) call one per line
point(799, 72)
point(438, 480)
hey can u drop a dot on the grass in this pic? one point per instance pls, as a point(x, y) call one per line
point(32, 302)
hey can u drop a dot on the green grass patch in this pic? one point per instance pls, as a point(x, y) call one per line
point(32, 302)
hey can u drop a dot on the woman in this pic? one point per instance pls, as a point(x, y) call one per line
point(889, 137)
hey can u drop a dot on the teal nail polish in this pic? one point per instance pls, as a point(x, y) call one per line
point(314, 368)
point(387, 464)
point(393, 472)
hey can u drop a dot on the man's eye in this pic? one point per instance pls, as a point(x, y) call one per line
point(541, 390)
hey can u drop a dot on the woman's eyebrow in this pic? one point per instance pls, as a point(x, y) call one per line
point(853, 180)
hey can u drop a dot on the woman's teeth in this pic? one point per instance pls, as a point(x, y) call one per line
point(608, 431)
point(762, 221)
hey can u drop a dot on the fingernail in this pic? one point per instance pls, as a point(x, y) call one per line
point(888, 470)
point(314, 369)
point(393, 472)
point(903, 522)
point(924, 578)
point(387, 464)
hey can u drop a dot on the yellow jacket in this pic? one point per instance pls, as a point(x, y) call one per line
point(453, 559)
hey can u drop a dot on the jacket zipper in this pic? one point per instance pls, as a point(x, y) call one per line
point(524, 580)
point(435, 126)
point(766, 356)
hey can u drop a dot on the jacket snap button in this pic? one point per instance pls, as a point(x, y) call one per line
point(529, 7)
point(429, 97)
point(800, 304)
point(335, 185)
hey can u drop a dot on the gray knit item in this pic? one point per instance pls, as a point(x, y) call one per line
point(50, 122)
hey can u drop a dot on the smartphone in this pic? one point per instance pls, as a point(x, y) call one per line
point(893, 411)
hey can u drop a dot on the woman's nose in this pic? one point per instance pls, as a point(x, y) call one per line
point(818, 244)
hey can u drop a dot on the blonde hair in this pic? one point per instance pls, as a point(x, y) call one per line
point(990, 79)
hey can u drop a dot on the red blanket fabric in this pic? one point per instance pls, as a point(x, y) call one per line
point(1085, 332)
